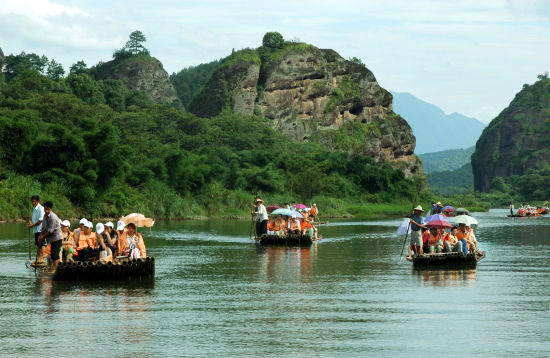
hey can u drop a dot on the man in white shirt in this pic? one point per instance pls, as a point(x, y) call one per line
point(260, 216)
point(36, 225)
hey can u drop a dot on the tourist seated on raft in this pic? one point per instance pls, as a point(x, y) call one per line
point(308, 228)
point(470, 238)
point(451, 242)
point(425, 237)
point(293, 226)
point(279, 226)
point(313, 212)
point(85, 243)
point(103, 252)
point(270, 226)
point(435, 243)
point(112, 237)
point(131, 243)
point(67, 243)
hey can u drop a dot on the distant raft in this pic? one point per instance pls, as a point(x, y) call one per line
point(290, 240)
point(448, 259)
point(98, 270)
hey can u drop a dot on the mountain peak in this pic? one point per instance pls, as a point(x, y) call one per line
point(434, 129)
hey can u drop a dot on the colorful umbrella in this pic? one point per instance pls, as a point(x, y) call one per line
point(440, 224)
point(436, 217)
point(462, 211)
point(448, 208)
point(271, 208)
point(300, 206)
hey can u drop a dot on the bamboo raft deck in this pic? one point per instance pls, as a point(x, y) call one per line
point(448, 259)
point(290, 240)
point(97, 270)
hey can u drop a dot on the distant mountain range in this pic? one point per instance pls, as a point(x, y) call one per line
point(434, 130)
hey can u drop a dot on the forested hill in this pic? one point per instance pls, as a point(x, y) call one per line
point(513, 153)
point(434, 130)
point(446, 160)
point(99, 148)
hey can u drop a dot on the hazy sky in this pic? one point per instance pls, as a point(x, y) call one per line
point(463, 56)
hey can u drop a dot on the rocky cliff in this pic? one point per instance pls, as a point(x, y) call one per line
point(312, 94)
point(142, 73)
point(518, 139)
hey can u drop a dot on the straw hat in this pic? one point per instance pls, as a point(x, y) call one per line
point(419, 208)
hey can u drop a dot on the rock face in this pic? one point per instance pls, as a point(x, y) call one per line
point(313, 95)
point(142, 74)
point(517, 140)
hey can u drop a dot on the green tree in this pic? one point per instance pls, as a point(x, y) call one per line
point(79, 68)
point(55, 70)
point(85, 88)
point(273, 40)
point(135, 43)
point(356, 60)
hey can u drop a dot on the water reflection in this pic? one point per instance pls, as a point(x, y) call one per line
point(284, 263)
point(445, 277)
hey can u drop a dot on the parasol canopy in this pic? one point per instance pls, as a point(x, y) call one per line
point(464, 219)
point(286, 212)
point(462, 211)
point(440, 224)
point(448, 209)
point(300, 206)
point(436, 217)
point(404, 228)
point(271, 208)
point(138, 219)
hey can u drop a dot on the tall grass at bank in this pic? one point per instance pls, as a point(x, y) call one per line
point(157, 200)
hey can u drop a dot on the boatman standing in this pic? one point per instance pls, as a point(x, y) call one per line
point(36, 225)
point(51, 234)
point(511, 208)
point(260, 216)
point(417, 223)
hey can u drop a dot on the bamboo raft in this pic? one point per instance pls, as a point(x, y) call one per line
point(97, 270)
point(448, 259)
point(291, 240)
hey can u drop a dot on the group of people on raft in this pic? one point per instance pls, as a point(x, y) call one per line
point(299, 222)
point(528, 210)
point(54, 237)
point(425, 239)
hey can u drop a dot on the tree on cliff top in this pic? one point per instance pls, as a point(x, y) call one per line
point(273, 40)
point(134, 46)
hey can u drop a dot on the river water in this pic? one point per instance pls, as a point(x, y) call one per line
point(217, 293)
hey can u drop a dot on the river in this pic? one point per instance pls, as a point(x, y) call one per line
point(217, 293)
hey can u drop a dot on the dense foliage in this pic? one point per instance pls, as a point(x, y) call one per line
point(189, 80)
point(96, 147)
point(452, 181)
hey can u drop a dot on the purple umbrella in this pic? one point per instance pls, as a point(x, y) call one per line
point(436, 217)
point(448, 208)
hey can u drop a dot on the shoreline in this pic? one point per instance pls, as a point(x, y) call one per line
point(373, 215)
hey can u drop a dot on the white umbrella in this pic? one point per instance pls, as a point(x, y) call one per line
point(404, 228)
point(463, 219)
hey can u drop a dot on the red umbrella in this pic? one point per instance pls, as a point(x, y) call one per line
point(271, 208)
point(440, 224)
